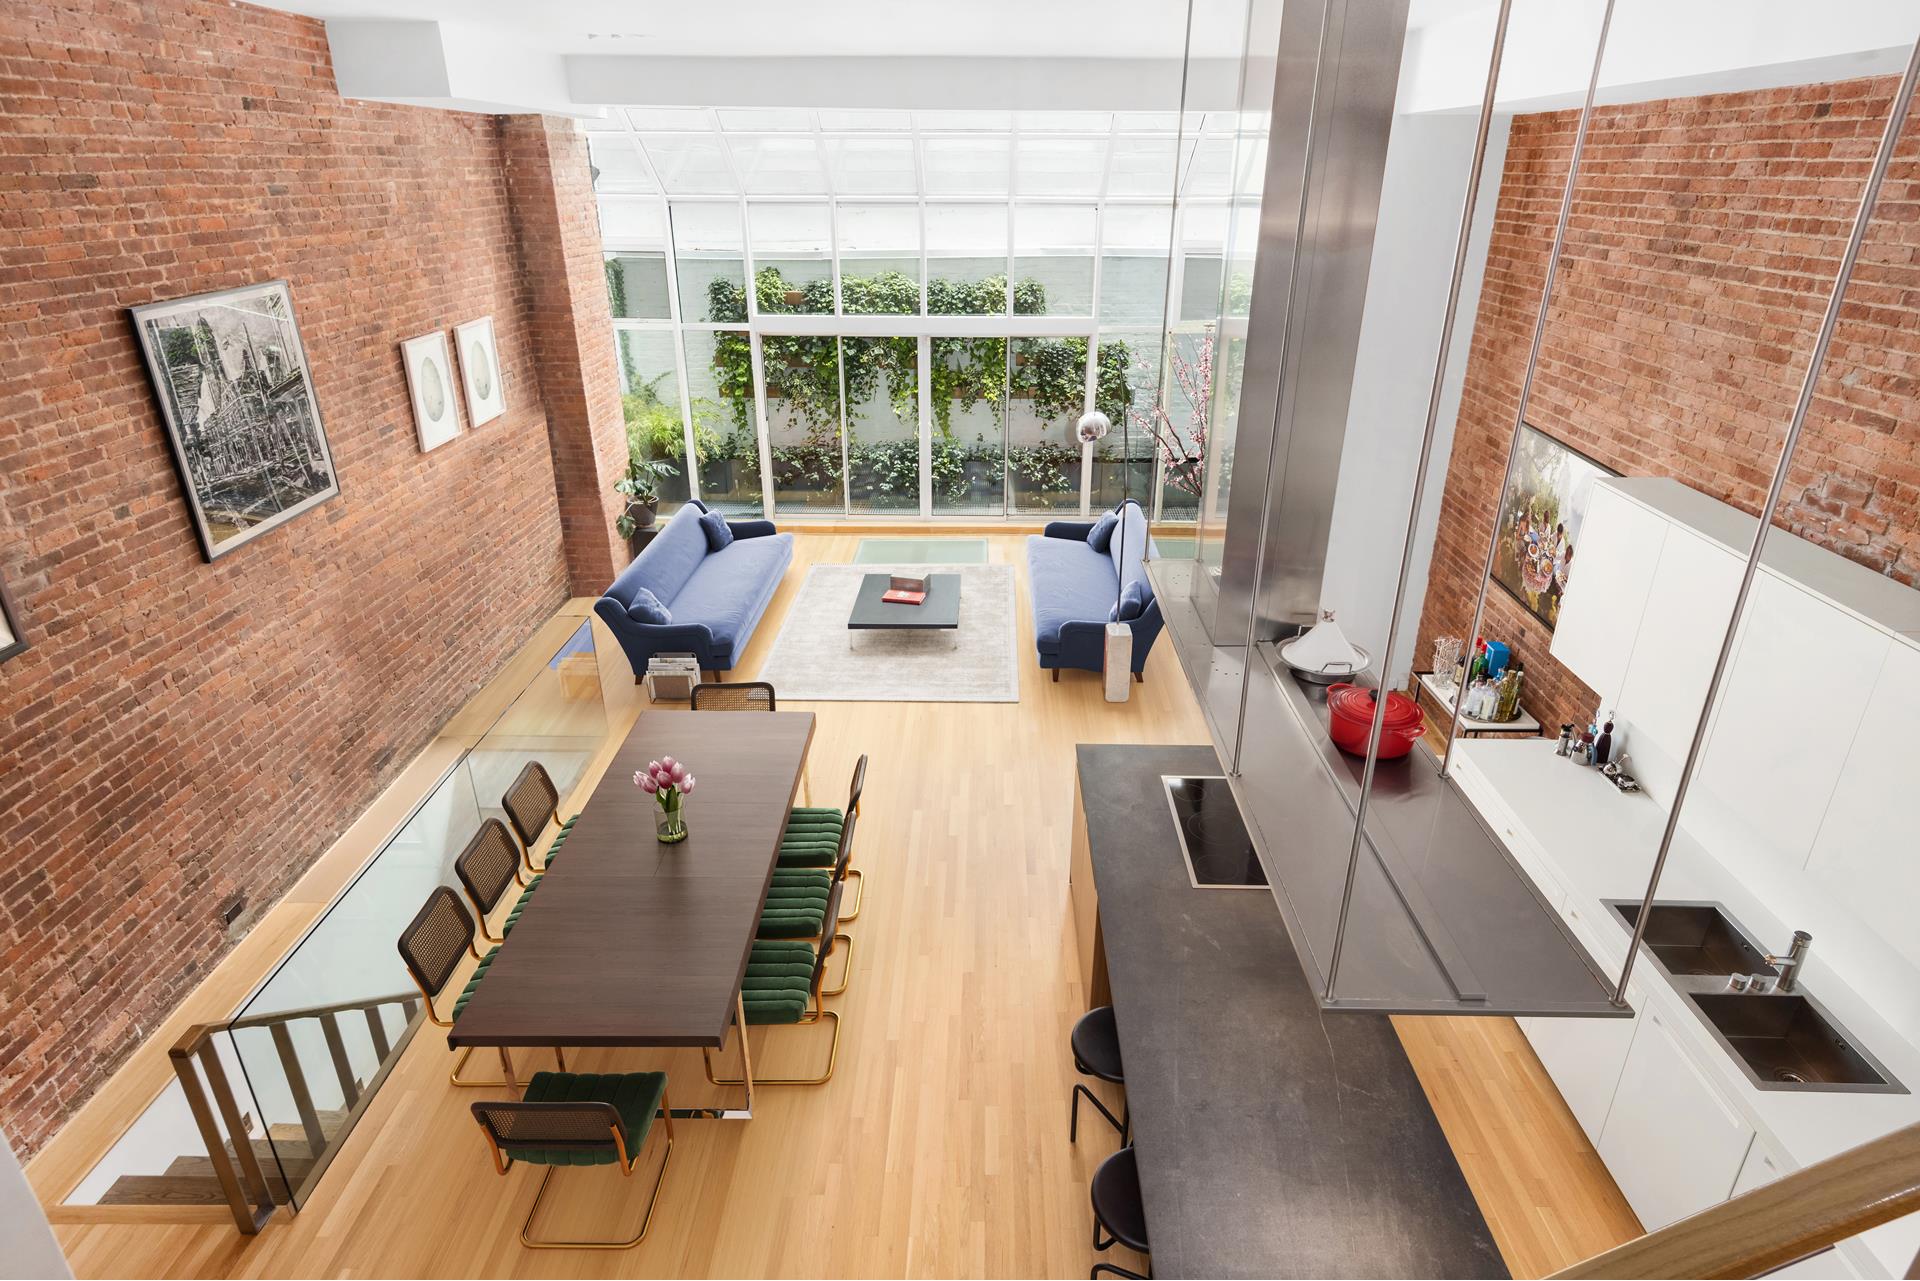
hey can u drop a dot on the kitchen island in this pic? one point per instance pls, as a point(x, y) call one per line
point(1274, 1138)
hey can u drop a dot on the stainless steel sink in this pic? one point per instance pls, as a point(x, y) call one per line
point(1781, 1040)
point(1697, 938)
point(1788, 1042)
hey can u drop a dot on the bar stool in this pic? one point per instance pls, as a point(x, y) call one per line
point(1119, 1209)
point(1096, 1053)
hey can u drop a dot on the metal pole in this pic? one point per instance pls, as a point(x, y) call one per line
point(1533, 360)
point(1889, 138)
point(1286, 332)
point(1420, 478)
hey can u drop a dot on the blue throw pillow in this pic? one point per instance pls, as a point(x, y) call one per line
point(1132, 603)
point(719, 533)
point(646, 608)
point(1100, 538)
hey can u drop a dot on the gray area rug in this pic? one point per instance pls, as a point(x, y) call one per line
point(816, 659)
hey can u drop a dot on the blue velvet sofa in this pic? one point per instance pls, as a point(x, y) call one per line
point(1074, 589)
point(715, 598)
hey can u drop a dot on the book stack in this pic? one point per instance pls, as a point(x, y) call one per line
point(671, 677)
point(905, 591)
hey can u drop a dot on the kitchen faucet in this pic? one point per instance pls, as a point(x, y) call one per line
point(1791, 964)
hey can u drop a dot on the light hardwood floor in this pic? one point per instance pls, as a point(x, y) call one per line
point(939, 1148)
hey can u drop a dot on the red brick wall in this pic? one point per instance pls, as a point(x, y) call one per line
point(559, 226)
point(1701, 249)
point(183, 732)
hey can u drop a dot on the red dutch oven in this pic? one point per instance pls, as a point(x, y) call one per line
point(1352, 720)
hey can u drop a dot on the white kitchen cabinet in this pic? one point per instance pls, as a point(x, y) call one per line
point(1828, 1265)
point(1585, 1058)
point(1613, 564)
point(1686, 616)
point(1673, 1143)
point(1762, 1166)
point(1863, 853)
point(1779, 742)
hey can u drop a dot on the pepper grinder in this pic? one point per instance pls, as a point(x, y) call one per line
point(1565, 746)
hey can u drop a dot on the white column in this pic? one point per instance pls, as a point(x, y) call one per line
point(31, 1250)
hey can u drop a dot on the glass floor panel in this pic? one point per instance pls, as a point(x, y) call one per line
point(921, 551)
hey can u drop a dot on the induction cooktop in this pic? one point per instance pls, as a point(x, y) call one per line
point(1213, 837)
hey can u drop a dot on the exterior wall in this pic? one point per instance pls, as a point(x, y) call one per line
point(181, 733)
point(1703, 244)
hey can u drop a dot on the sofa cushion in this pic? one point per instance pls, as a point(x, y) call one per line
point(1100, 537)
point(719, 533)
point(726, 591)
point(646, 608)
point(669, 561)
point(1129, 550)
point(1070, 583)
point(1132, 603)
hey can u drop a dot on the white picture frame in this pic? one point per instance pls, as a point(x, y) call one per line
point(430, 386)
point(480, 370)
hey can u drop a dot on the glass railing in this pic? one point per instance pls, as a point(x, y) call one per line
point(316, 1039)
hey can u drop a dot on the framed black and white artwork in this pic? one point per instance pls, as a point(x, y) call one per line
point(480, 370)
point(430, 382)
point(237, 401)
point(12, 638)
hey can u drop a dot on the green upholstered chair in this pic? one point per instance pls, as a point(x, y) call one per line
point(531, 804)
point(820, 837)
point(487, 869)
point(796, 906)
point(783, 986)
point(579, 1118)
point(432, 946)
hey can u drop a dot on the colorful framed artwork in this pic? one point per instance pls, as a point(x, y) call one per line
point(1540, 518)
point(237, 401)
point(13, 638)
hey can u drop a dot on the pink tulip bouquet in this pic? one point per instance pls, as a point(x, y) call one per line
point(669, 783)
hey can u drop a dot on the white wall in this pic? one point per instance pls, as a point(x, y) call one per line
point(27, 1247)
point(1428, 158)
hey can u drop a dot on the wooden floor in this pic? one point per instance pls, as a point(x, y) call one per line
point(940, 1146)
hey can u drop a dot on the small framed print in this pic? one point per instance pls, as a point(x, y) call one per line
point(430, 381)
point(480, 371)
point(12, 639)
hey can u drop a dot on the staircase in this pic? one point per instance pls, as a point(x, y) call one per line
point(253, 1173)
point(194, 1180)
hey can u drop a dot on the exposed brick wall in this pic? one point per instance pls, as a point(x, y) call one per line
point(183, 732)
point(1701, 249)
point(572, 326)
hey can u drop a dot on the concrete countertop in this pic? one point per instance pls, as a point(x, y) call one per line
point(1274, 1139)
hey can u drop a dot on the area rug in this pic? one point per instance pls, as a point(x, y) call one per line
point(916, 551)
point(813, 661)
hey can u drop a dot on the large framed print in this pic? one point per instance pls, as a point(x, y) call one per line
point(237, 401)
point(1540, 518)
point(13, 639)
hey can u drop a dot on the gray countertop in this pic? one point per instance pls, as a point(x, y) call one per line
point(1274, 1139)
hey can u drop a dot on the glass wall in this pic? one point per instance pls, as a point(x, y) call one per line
point(1005, 243)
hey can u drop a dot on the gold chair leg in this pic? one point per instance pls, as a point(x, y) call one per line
point(854, 873)
point(526, 1229)
point(506, 1081)
point(846, 972)
point(833, 1055)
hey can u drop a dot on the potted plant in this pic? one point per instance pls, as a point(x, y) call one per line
point(641, 488)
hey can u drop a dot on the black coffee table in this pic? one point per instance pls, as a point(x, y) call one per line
point(939, 612)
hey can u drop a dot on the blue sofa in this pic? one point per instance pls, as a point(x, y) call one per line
point(715, 598)
point(1074, 588)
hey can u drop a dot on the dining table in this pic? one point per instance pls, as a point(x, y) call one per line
point(630, 942)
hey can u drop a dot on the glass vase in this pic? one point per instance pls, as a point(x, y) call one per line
point(670, 824)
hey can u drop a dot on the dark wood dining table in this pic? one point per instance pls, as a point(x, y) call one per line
point(629, 942)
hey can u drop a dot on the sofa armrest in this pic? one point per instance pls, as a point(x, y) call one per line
point(751, 528)
point(1073, 529)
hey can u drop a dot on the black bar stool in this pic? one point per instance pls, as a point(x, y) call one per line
point(1118, 1210)
point(1096, 1053)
